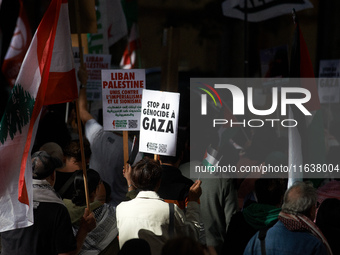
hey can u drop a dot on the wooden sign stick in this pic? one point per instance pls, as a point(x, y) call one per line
point(126, 146)
point(77, 110)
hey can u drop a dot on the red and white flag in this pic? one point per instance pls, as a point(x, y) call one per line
point(20, 42)
point(129, 56)
point(46, 63)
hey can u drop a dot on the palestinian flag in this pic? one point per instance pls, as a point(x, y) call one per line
point(210, 157)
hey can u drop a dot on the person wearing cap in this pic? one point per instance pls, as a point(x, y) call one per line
point(51, 232)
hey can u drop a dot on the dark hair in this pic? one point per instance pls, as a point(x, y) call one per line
point(179, 152)
point(93, 179)
point(146, 174)
point(73, 149)
point(135, 246)
point(182, 246)
point(270, 191)
point(108, 192)
point(43, 165)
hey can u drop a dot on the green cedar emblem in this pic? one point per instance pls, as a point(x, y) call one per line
point(17, 114)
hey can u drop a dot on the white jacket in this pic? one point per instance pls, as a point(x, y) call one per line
point(147, 217)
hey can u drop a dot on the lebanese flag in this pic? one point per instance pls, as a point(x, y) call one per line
point(129, 56)
point(44, 64)
point(20, 42)
point(306, 141)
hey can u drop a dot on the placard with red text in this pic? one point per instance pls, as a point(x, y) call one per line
point(122, 98)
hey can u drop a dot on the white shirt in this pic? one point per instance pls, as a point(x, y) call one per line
point(107, 158)
point(147, 217)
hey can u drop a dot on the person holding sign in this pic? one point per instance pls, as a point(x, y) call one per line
point(107, 148)
point(148, 217)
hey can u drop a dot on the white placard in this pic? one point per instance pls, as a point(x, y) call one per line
point(159, 122)
point(122, 96)
point(328, 85)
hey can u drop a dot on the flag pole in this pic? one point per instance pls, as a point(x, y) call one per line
point(245, 38)
point(126, 146)
point(77, 110)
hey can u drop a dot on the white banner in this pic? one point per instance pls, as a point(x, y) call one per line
point(329, 87)
point(159, 122)
point(262, 10)
point(122, 96)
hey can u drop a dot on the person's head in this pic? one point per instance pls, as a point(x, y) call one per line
point(94, 182)
point(107, 192)
point(146, 175)
point(72, 150)
point(53, 149)
point(135, 246)
point(300, 198)
point(270, 191)
point(44, 166)
point(174, 160)
point(182, 246)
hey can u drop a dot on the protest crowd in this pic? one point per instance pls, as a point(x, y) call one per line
point(69, 187)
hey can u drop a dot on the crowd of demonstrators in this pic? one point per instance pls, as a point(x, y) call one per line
point(51, 232)
point(103, 239)
point(150, 218)
point(153, 207)
point(107, 150)
point(255, 215)
point(72, 164)
point(295, 231)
